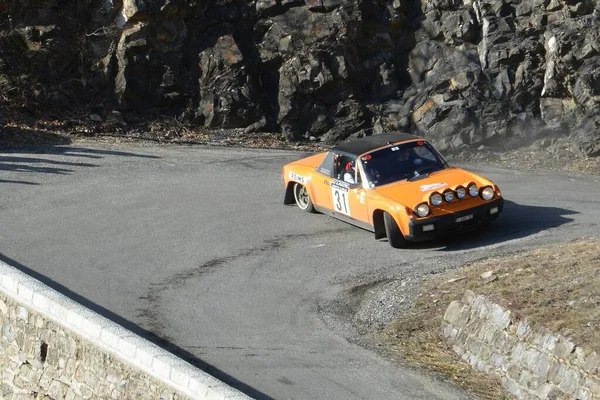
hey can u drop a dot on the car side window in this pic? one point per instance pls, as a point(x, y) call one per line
point(339, 162)
point(346, 169)
point(326, 167)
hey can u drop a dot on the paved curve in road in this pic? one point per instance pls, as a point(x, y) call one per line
point(193, 245)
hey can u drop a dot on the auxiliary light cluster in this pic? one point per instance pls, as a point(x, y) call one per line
point(449, 195)
point(486, 193)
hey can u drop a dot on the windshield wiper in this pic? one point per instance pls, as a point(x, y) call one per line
point(423, 174)
point(419, 176)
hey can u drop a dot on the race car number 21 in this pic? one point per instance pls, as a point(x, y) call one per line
point(339, 193)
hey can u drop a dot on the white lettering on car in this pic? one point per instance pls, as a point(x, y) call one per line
point(297, 178)
point(432, 186)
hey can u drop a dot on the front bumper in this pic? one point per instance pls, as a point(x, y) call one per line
point(447, 224)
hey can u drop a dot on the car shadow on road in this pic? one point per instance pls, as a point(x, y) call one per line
point(517, 221)
point(151, 337)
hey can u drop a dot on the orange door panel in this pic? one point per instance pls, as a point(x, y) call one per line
point(358, 203)
point(320, 185)
point(349, 201)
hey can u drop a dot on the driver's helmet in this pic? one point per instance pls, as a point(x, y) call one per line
point(350, 167)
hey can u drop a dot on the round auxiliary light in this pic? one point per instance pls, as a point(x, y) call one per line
point(422, 210)
point(461, 192)
point(448, 195)
point(473, 189)
point(487, 193)
point(435, 199)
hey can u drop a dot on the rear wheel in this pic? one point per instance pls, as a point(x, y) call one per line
point(302, 198)
point(393, 232)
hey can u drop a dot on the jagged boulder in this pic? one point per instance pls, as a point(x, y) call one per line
point(42, 64)
point(463, 73)
point(146, 60)
point(531, 55)
point(223, 103)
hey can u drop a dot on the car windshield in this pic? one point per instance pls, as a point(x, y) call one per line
point(401, 162)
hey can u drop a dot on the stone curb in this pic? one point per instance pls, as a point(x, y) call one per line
point(126, 345)
point(531, 363)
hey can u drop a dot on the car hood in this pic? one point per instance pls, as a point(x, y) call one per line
point(411, 193)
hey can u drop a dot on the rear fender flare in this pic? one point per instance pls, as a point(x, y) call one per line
point(289, 194)
point(289, 197)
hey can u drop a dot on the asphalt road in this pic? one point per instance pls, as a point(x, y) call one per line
point(194, 245)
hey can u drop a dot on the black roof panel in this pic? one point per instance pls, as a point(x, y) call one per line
point(363, 145)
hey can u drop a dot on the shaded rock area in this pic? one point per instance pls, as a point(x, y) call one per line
point(464, 74)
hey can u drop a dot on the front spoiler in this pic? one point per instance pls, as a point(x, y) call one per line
point(446, 224)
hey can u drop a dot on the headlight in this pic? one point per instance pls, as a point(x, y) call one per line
point(461, 192)
point(487, 193)
point(435, 199)
point(473, 189)
point(448, 195)
point(422, 210)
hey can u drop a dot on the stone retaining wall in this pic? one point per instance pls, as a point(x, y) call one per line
point(532, 364)
point(52, 346)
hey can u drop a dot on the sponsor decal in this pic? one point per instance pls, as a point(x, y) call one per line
point(361, 197)
point(432, 186)
point(297, 178)
point(341, 185)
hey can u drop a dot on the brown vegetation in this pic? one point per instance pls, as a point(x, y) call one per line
point(555, 287)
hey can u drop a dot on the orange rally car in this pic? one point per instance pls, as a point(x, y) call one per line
point(395, 185)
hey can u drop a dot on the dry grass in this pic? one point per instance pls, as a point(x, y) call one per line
point(555, 287)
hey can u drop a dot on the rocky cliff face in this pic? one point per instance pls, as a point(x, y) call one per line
point(462, 73)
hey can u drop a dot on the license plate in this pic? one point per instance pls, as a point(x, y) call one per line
point(465, 218)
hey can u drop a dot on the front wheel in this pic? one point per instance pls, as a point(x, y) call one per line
point(393, 232)
point(302, 198)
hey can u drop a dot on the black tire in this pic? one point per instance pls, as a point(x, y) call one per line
point(303, 199)
point(393, 232)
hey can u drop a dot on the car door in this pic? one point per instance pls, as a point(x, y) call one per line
point(348, 200)
point(321, 182)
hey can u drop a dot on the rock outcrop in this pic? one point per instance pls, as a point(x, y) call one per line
point(462, 73)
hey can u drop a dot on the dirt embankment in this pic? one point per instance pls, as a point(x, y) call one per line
point(555, 288)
